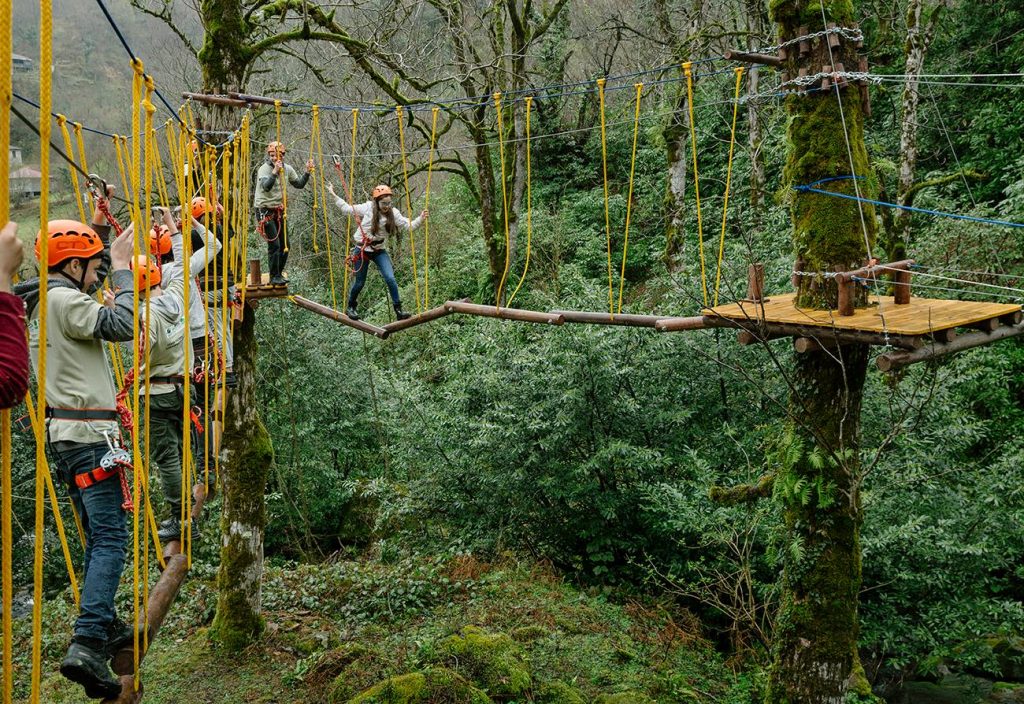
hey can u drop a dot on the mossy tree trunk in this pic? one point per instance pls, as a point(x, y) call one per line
point(815, 656)
point(246, 455)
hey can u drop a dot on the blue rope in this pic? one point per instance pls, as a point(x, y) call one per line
point(810, 188)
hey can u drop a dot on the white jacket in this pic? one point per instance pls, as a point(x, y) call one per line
point(173, 270)
point(363, 213)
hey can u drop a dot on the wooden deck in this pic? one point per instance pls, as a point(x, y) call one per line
point(265, 289)
point(922, 316)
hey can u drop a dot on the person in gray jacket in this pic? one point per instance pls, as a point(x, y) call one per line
point(269, 203)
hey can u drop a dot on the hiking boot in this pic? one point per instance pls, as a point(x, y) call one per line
point(401, 314)
point(351, 313)
point(169, 529)
point(278, 280)
point(86, 664)
point(121, 635)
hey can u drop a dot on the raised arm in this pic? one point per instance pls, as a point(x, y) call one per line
point(113, 324)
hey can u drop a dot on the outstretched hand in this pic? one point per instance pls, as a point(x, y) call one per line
point(309, 166)
point(425, 215)
point(121, 250)
point(330, 189)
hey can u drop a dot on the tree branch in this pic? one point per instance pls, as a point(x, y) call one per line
point(908, 197)
point(165, 16)
point(743, 493)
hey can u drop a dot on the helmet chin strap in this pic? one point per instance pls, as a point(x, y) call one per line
point(80, 282)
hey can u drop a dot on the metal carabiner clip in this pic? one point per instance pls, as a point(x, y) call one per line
point(337, 160)
point(97, 186)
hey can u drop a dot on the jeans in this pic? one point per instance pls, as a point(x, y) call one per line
point(387, 270)
point(106, 535)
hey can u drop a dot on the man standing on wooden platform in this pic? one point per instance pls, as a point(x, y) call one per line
point(269, 201)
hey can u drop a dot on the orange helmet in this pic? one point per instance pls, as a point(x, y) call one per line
point(68, 239)
point(198, 207)
point(381, 190)
point(276, 148)
point(147, 273)
point(159, 240)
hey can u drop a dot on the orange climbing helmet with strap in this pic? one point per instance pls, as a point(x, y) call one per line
point(147, 273)
point(159, 240)
point(69, 239)
point(276, 148)
point(381, 191)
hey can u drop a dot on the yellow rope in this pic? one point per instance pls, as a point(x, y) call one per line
point(426, 206)
point(224, 331)
point(607, 217)
point(210, 175)
point(6, 526)
point(81, 158)
point(185, 180)
point(323, 200)
point(527, 105)
point(629, 199)
point(504, 195)
point(63, 123)
point(284, 181)
point(45, 108)
point(687, 69)
point(120, 147)
point(728, 180)
point(408, 203)
point(246, 151)
point(314, 131)
point(351, 194)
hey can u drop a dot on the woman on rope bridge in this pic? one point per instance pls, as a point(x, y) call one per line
point(82, 429)
point(165, 330)
point(13, 345)
point(376, 219)
point(269, 203)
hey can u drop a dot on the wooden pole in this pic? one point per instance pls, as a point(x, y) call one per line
point(245, 97)
point(215, 100)
point(901, 287)
point(755, 282)
point(255, 277)
point(339, 317)
point(426, 316)
point(866, 272)
point(827, 335)
point(846, 297)
point(894, 360)
point(696, 322)
point(526, 316)
point(627, 319)
point(749, 58)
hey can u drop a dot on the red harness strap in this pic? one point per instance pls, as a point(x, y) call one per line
point(87, 479)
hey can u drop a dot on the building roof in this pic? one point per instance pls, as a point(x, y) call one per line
point(26, 172)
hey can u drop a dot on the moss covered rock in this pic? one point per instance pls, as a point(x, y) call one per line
point(557, 693)
point(435, 685)
point(492, 660)
point(528, 634)
point(356, 667)
point(624, 698)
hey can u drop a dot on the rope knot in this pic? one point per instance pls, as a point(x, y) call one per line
point(61, 120)
point(138, 67)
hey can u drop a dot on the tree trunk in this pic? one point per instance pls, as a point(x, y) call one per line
point(918, 40)
point(246, 455)
point(815, 657)
point(756, 20)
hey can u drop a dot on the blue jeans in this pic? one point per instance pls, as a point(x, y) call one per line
point(387, 270)
point(106, 535)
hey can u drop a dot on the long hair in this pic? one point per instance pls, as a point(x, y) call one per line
point(389, 221)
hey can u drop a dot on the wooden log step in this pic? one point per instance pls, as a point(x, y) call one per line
point(337, 317)
point(894, 360)
point(526, 316)
point(593, 318)
point(693, 322)
point(424, 317)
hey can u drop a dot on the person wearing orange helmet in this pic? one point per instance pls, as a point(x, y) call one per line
point(375, 220)
point(268, 201)
point(82, 430)
point(166, 328)
point(13, 345)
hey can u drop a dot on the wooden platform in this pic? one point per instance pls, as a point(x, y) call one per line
point(920, 317)
point(265, 289)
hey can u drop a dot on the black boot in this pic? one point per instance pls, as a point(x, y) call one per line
point(351, 311)
point(120, 635)
point(86, 664)
point(170, 529)
point(401, 314)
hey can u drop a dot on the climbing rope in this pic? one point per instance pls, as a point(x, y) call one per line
point(284, 182)
point(528, 105)
point(322, 187)
point(408, 203)
point(687, 70)
point(426, 206)
point(504, 196)
point(728, 182)
point(604, 170)
point(62, 122)
point(81, 157)
point(313, 132)
point(349, 194)
point(6, 509)
point(629, 198)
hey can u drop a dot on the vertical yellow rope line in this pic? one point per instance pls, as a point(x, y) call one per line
point(323, 201)
point(120, 148)
point(62, 122)
point(687, 69)
point(284, 182)
point(246, 152)
point(45, 108)
point(629, 199)
point(350, 195)
point(313, 132)
point(504, 195)
point(408, 203)
point(81, 158)
point(426, 206)
point(607, 216)
point(136, 167)
point(728, 180)
point(528, 106)
point(225, 187)
point(185, 179)
point(6, 526)
point(210, 172)
point(149, 164)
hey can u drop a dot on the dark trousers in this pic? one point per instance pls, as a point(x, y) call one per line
point(165, 445)
point(273, 232)
point(383, 263)
point(106, 534)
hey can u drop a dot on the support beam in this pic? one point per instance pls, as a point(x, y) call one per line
point(215, 100)
point(803, 345)
point(749, 58)
point(526, 316)
point(161, 596)
point(626, 319)
point(257, 99)
point(334, 315)
point(894, 360)
point(827, 335)
point(694, 322)
point(867, 272)
point(424, 317)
